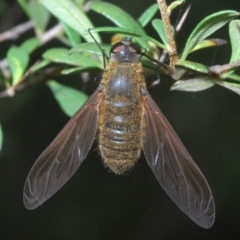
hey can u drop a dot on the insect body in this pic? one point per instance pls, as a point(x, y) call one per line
point(119, 113)
point(127, 120)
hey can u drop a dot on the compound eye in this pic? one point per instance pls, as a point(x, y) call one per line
point(118, 48)
point(134, 48)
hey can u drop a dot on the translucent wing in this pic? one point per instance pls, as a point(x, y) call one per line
point(63, 156)
point(174, 168)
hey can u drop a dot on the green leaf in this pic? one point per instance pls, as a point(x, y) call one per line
point(91, 48)
point(30, 45)
point(72, 35)
point(68, 12)
point(80, 3)
point(198, 67)
point(206, 27)
point(18, 60)
point(39, 15)
point(116, 15)
point(1, 137)
point(61, 55)
point(231, 86)
point(119, 18)
point(174, 4)
point(148, 64)
point(24, 6)
point(159, 27)
point(129, 32)
point(209, 43)
point(76, 69)
point(189, 70)
point(193, 85)
point(148, 14)
point(234, 35)
point(64, 40)
point(234, 77)
point(40, 65)
point(72, 70)
point(68, 98)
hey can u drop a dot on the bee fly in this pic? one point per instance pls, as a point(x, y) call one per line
point(127, 120)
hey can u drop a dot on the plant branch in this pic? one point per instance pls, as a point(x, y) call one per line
point(15, 32)
point(51, 34)
point(171, 47)
point(38, 77)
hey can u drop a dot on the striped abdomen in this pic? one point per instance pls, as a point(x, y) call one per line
point(120, 117)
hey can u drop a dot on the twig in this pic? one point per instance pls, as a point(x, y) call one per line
point(171, 46)
point(4, 66)
point(51, 34)
point(16, 31)
point(220, 69)
point(38, 77)
point(178, 28)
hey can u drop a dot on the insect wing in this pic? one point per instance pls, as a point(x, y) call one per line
point(63, 156)
point(174, 168)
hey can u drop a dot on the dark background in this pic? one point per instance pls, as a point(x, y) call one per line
point(96, 204)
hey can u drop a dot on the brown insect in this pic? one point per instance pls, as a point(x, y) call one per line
point(127, 121)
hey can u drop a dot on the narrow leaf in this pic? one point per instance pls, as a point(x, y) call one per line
point(72, 35)
point(68, 98)
point(91, 48)
point(159, 27)
point(61, 55)
point(206, 27)
point(194, 66)
point(39, 15)
point(129, 32)
point(192, 85)
point(148, 14)
point(76, 69)
point(234, 77)
point(154, 67)
point(209, 43)
point(234, 34)
point(24, 6)
point(18, 60)
point(30, 45)
point(68, 12)
point(174, 4)
point(40, 65)
point(116, 15)
point(231, 86)
point(80, 2)
point(119, 18)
